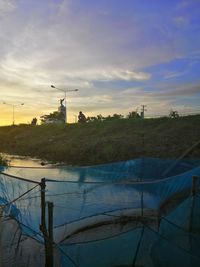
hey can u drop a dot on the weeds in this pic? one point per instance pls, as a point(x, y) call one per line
point(3, 160)
point(101, 142)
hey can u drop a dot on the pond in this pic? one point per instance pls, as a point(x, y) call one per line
point(148, 169)
point(24, 161)
point(35, 169)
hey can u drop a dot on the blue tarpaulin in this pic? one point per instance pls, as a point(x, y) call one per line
point(133, 213)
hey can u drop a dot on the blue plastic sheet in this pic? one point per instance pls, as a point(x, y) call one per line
point(90, 203)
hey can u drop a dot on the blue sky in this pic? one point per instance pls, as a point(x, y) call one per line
point(121, 54)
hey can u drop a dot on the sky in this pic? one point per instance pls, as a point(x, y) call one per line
point(120, 54)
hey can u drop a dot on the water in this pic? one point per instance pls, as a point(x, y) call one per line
point(36, 169)
point(24, 161)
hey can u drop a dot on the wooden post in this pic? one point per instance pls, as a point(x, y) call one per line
point(43, 228)
point(193, 193)
point(50, 232)
point(142, 203)
point(158, 219)
point(43, 206)
point(194, 185)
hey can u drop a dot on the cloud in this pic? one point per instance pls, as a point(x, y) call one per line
point(181, 21)
point(7, 5)
point(108, 75)
point(79, 42)
point(64, 6)
point(171, 75)
point(187, 3)
point(180, 91)
point(75, 45)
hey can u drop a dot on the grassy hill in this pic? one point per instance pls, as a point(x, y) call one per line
point(100, 142)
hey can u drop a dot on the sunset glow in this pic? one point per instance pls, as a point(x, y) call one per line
point(120, 54)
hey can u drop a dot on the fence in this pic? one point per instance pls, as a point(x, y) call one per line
point(119, 214)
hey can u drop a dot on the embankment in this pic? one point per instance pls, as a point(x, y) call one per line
point(101, 142)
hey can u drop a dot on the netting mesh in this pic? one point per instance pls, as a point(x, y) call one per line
point(134, 213)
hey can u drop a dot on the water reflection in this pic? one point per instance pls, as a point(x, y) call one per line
point(31, 168)
point(22, 161)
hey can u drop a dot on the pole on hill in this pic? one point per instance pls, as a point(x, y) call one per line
point(143, 110)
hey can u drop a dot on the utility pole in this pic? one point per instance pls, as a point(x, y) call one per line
point(143, 110)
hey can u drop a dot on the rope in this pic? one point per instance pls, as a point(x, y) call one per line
point(36, 167)
point(175, 225)
point(122, 182)
point(64, 253)
point(169, 241)
point(138, 247)
point(91, 182)
point(14, 200)
point(172, 166)
point(32, 196)
point(20, 178)
point(40, 235)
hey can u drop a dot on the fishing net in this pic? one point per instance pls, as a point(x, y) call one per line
point(143, 212)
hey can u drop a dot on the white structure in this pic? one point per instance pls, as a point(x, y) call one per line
point(65, 106)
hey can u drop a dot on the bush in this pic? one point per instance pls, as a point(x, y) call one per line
point(3, 161)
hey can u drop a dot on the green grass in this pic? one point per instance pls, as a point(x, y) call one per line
point(100, 142)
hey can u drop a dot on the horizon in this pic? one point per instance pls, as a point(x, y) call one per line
point(119, 54)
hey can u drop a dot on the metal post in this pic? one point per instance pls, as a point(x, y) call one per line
point(65, 107)
point(13, 110)
point(50, 232)
point(13, 114)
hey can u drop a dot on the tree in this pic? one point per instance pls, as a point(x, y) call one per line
point(55, 117)
point(114, 117)
point(98, 118)
point(133, 115)
point(173, 114)
point(91, 119)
